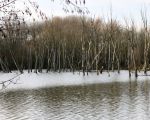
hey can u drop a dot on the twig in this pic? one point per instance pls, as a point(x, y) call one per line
point(7, 4)
point(4, 85)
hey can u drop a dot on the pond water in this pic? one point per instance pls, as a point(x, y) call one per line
point(102, 101)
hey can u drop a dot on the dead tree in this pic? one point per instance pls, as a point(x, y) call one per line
point(146, 41)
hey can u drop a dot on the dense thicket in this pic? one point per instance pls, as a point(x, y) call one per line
point(74, 43)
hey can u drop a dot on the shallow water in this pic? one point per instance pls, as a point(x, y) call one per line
point(104, 101)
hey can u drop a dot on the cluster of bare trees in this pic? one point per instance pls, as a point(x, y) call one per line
point(14, 31)
point(70, 43)
point(75, 43)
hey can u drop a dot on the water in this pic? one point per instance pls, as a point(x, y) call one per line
point(105, 101)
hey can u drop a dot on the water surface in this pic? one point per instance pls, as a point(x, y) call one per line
point(104, 101)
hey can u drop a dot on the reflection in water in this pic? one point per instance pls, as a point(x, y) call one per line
point(111, 101)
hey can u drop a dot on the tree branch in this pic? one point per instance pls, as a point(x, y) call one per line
point(4, 83)
point(7, 4)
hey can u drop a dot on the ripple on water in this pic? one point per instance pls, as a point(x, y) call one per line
point(111, 101)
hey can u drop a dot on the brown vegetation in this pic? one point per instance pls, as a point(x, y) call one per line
point(75, 43)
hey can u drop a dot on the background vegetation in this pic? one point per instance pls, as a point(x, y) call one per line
point(74, 43)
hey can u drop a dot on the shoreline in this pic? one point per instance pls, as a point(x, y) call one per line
point(55, 79)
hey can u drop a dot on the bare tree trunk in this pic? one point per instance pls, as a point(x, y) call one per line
point(113, 60)
point(16, 64)
point(129, 61)
point(146, 42)
point(36, 62)
point(109, 53)
point(59, 63)
point(88, 57)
